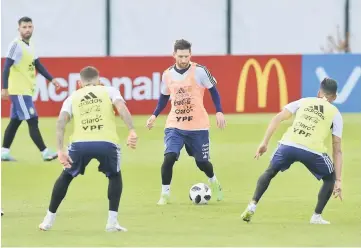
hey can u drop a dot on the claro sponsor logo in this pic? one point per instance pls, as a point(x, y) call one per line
point(262, 78)
point(138, 88)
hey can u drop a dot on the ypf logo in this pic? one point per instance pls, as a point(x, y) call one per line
point(262, 78)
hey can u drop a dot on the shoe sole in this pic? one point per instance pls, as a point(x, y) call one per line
point(50, 159)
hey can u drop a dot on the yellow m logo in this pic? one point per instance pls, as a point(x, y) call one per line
point(262, 78)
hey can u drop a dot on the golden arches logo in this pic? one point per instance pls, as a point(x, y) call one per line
point(262, 78)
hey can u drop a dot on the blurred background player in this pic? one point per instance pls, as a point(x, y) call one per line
point(188, 121)
point(19, 83)
point(94, 137)
point(304, 142)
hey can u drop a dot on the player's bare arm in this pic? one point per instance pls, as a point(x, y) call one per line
point(272, 127)
point(337, 160)
point(64, 158)
point(127, 118)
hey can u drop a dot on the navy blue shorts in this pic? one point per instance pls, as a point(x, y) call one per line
point(22, 107)
point(107, 154)
point(319, 165)
point(196, 142)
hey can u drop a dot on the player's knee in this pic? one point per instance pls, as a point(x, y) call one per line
point(203, 164)
point(170, 158)
point(33, 122)
point(331, 178)
point(14, 124)
point(271, 172)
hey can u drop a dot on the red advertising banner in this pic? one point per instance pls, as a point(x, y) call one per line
point(247, 84)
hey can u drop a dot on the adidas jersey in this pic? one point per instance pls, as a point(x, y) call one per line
point(202, 76)
point(314, 118)
point(114, 95)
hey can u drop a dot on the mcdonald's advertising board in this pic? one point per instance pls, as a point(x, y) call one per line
point(247, 84)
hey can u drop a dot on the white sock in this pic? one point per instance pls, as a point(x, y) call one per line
point(50, 215)
point(316, 215)
point(112, 216)
point(165, 189)
point(45, 151)
point(4, 150)
point(252, 207)
point(213, 179)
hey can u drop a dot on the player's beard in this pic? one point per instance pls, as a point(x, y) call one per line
point(27, 36)
point(183, 65)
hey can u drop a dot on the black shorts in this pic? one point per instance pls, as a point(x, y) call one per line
point(107, 154)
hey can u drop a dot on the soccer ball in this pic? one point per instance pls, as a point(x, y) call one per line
point(200, 193)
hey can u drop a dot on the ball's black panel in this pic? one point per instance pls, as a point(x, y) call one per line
point(198, 199)
point(207, 197)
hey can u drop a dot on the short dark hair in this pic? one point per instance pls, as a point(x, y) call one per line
point(329, 86)
point(24, 19)
point(89, 73)
point(182, 45)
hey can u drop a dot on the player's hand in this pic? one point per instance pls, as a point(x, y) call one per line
point(64, 159)
point(4, 94)
point(221, 121)
point(337, 190)
point(261, 149)
point(150, 122)
point(132, 139)
point(56, 83)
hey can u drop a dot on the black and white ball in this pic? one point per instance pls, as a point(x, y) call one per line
point(200, 193)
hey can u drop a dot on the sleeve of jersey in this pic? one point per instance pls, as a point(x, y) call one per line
point(114, 94)
point(337, 125)
point(164, 89)
point(67, 107)
point(293, 106)
point(206, 78)
point(14, 52)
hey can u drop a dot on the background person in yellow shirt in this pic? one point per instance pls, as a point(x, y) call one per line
point(304, 142)
point(19, 84)
point(94, 137)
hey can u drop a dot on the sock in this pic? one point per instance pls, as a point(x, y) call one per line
point(165, 189)
point(167, 167)
point(115, 188)
point(35, 133)
point(59, 191)
point(50, 215)
point(213, 179)
point(325, 192)
point(206, 167)
point(10, 132)
point(112, 216)
point(252, 207)
point(44, 151)
point(4, 150)
point(263, 183)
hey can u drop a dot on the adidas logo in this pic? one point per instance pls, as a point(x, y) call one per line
point(89, 98)
point(316, 109)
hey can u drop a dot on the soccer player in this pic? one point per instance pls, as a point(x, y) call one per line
point(19, 84)
point(304, 142)
point(188, 121)
point(94, 137)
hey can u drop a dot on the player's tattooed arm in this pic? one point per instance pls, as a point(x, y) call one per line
point(63, 119)
point(337, 156)
point(124, 113)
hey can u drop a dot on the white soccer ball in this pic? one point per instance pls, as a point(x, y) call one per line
point(200, 193)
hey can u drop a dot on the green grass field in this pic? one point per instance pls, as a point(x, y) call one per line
point(281, 220)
